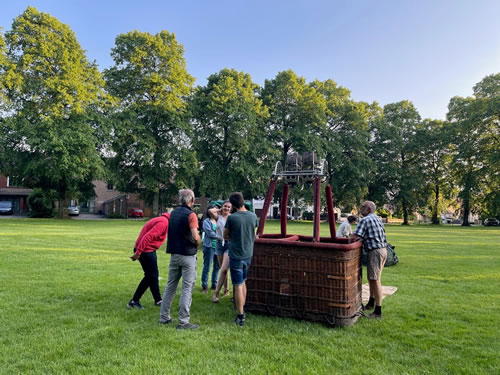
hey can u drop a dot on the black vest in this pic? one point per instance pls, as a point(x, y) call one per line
point(180, 239)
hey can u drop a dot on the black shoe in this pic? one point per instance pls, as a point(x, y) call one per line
point(212, 287)
point(166, 321)
point(367, 307)
point(188, 326)
point(158, 303)
point(134, 305)
point(239, 322)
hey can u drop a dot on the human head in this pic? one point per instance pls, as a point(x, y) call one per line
point(212, 211)
point(237, 200)
point(226, 208)
point(367, 208)
point(352, 219)
point(186, 197)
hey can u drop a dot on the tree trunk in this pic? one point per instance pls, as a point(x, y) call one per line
point(466, 209)
point(156, 203)
point(405, 213)
point(61, 211)
point(435, 219)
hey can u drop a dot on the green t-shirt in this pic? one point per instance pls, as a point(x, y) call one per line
point(241, 226)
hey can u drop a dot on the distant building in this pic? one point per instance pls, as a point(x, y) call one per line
point(12, 190)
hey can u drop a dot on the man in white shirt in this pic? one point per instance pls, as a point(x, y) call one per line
point(345, 229)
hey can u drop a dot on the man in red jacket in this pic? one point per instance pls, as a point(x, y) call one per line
point(152, 236)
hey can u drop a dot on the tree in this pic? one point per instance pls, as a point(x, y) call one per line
point(151, 142)
point(394, 150)
point(346, 142)
point(297, 114)
point(52, 90)
point(230, 141)
point(433, 139)
point(476, 142)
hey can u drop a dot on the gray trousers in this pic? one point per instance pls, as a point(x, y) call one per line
point(180, 266)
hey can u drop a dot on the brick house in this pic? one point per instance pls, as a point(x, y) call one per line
point(11, 190)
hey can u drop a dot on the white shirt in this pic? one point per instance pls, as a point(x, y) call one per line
point(345, 229)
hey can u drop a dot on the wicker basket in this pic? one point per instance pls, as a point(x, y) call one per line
point(296, 277)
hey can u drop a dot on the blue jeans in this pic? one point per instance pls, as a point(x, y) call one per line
point(209, 257)
point(239, 269)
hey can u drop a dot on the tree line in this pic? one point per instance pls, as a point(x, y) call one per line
point(142, 124)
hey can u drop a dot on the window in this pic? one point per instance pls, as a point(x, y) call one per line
point(110, 187)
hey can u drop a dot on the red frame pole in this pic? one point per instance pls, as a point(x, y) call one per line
point(267, 203)
point(284, 204)
point(331, 214)
point(316, 200)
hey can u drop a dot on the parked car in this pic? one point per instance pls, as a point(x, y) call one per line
point(6, 208)
point(491, 222)
point(73, 210)
point(135, 212)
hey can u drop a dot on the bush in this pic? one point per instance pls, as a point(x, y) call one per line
point(41, 203)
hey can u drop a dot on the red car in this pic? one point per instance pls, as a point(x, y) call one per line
point(135, 212)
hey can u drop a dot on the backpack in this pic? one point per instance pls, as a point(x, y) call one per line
point(391, 260)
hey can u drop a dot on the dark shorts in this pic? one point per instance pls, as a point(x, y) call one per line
point(239, 270)
point(220, 249)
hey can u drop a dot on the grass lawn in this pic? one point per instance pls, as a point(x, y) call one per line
point(64, 286)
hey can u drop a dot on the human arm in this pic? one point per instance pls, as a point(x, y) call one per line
point(354, 238)
point(193, 227)
point(227, 235)
point(209, 230)
point(135, 256)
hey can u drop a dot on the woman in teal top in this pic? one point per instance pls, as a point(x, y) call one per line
point(209, 244)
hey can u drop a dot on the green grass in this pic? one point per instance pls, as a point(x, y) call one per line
point(64, 285)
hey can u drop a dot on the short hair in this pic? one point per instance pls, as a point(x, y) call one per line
point(370, 205)
point(236, 199)
point(352, 218)
point(186, 196)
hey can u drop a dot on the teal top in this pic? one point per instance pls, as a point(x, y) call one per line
point(241, 226)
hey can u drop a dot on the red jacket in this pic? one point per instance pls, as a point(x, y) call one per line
point(153, 234)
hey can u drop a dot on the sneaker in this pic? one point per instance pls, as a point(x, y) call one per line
point(239, 322)
point(158, 303)
point(215, 299)
point(374, 316)
point(367, 307)
point(212, 287)
point(205, 291)
point(166, 321)
point(188, 326)
point(134, 305)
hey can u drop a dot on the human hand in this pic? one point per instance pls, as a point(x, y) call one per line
point(135, 257)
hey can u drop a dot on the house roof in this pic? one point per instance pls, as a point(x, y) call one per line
point(15, 191)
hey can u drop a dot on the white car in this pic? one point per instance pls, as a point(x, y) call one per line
point(73, 210)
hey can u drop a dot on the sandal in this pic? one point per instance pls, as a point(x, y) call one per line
point(215, 299)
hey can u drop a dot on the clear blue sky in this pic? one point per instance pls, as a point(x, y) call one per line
point(384, 51)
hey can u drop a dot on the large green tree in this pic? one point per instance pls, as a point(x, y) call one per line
point(346, 142)
point(151, 146)
point(52, 91)
point(297, 114)
point(476, 160)
point(433, 140)
point(395, 151)
point(230, 140)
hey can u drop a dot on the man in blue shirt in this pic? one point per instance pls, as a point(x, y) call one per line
point(371, 231)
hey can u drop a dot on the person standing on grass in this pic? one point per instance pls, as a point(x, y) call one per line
point(345, 229)
point(209, 243)
point(183, 241)
point(152, 236)
point(222, 252)
point(240, 231)
point(371, 231)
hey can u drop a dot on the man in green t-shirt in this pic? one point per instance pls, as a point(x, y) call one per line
point(240, 231)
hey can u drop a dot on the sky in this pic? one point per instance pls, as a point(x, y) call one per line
point(382, 50)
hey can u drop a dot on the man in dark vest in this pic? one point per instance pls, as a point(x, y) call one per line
point(183, 241)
